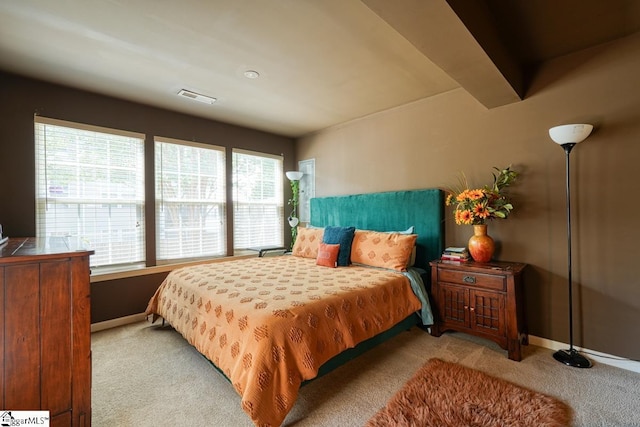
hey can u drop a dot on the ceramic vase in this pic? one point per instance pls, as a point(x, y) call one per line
point(481, 245)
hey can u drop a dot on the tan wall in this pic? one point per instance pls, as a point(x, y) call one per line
point(427, 143)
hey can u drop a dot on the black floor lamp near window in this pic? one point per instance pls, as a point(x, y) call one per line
point(567, 136)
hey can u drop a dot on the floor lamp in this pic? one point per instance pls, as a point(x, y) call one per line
point(567, 136)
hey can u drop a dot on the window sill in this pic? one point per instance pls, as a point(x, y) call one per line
point(103, 276)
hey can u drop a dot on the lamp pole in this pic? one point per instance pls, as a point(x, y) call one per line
point(568, 136)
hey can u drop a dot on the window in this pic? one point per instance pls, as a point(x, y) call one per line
point(190, 200)
point(90, 189)
point(258, 207)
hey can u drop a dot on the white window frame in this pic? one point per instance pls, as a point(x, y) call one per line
point(110, 213)
point(264, 226)
point(192, 235)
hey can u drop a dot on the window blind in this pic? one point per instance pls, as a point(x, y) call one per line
point(190, 200)
point(258, 206)
point(90, 188)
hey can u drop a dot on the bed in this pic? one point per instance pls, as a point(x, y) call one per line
point(270, 324)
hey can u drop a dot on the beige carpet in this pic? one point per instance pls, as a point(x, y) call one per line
point(445, 394)
point(144, 375)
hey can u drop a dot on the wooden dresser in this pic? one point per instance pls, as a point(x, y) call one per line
point(481, 299)
point(45, 338)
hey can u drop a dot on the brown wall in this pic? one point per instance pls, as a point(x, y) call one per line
point(21, 98)
point(429, 142)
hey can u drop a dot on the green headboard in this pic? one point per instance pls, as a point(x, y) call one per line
point(389, 211)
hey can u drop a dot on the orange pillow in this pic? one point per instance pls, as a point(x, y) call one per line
point(307, 241)
point(328, 255)
point(386, 250)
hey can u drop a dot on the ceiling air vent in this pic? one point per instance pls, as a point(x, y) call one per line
point(196, 96)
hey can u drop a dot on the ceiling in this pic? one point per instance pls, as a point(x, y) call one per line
point(321, 62)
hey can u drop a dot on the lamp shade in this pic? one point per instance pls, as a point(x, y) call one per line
point(294, 175)
point(570, 134)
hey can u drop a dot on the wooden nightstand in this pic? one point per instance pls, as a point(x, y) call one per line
point(485, 300)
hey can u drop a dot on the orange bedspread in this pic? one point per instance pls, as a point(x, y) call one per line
point(269, 323)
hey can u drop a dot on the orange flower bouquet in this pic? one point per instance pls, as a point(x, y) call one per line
point(476, 206)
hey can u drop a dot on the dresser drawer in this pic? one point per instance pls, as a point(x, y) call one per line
point(478, 280)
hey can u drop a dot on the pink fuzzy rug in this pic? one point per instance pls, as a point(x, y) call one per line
point(444, 394)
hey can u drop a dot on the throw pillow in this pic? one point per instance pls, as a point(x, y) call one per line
point(342, 236)
point(328, 255)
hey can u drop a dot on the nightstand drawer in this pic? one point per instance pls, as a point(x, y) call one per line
point(477, 280)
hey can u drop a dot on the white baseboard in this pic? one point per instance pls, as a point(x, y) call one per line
point(120, 321)
point(604, 358)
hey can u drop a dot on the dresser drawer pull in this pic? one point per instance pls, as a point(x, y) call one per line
point(469, 279)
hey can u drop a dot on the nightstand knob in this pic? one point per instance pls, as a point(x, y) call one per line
point(469, 279)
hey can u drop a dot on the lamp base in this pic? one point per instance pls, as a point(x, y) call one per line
point(572, 358)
